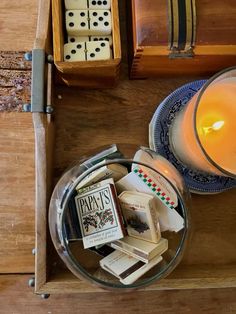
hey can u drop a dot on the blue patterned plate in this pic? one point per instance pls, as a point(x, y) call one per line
point(197, 182)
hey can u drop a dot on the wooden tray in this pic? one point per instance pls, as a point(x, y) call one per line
point(122, 115)
point(93, 74)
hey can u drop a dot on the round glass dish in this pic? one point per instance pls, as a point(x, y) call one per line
point(63, 221)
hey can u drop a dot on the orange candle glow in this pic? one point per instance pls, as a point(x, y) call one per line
point(203, 134)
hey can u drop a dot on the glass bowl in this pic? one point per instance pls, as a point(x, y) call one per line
point(64, 225)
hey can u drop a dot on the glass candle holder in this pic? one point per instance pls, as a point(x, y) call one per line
point(84, 263)
point(202, 134)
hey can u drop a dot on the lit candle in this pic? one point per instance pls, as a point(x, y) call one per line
point(215, 127)
point(203, 135)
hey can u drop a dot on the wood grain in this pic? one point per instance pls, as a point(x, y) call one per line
point(150, 65)
point(122, 115)
point(14, 60)
point(184, 278)
point(43, 131)
point(58, 30)
point(43, 145)
point(215, 47)
point(97, 118)
point(15, 81)
point(43, 35)
point(17, 24)
point(16, 298)
point(16, 143)
point(116, 30)
point(17, 193)
point(16, 138)
point(216, 25)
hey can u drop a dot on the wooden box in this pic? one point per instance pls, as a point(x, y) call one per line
point(194, 37)
point(210, 257)
point(93, 74)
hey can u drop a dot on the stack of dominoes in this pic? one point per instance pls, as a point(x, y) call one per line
point(89, 30)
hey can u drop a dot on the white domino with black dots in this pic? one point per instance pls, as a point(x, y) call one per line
point(99, 50)
point(76, 4)
point(87, 51)
point(89, 30)
point(77, 22)
point(107, 38)
point(88, 22)
point(100, 22)
point(99, 4)
point(88, 4)
point(74, 39)
point(75, 52)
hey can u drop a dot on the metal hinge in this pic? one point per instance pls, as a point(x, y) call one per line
point(175, 53)
point(39, 77)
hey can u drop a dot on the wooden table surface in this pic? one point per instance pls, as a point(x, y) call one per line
point(17, 25)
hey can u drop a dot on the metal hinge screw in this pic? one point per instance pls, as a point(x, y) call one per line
point(45, 296)
point(31, 282)
point(49, 109)
point(27, 107)
point(28, 56)
point(50, 58)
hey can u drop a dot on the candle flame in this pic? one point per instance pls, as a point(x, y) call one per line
point(218, 125)
point(215, 127)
